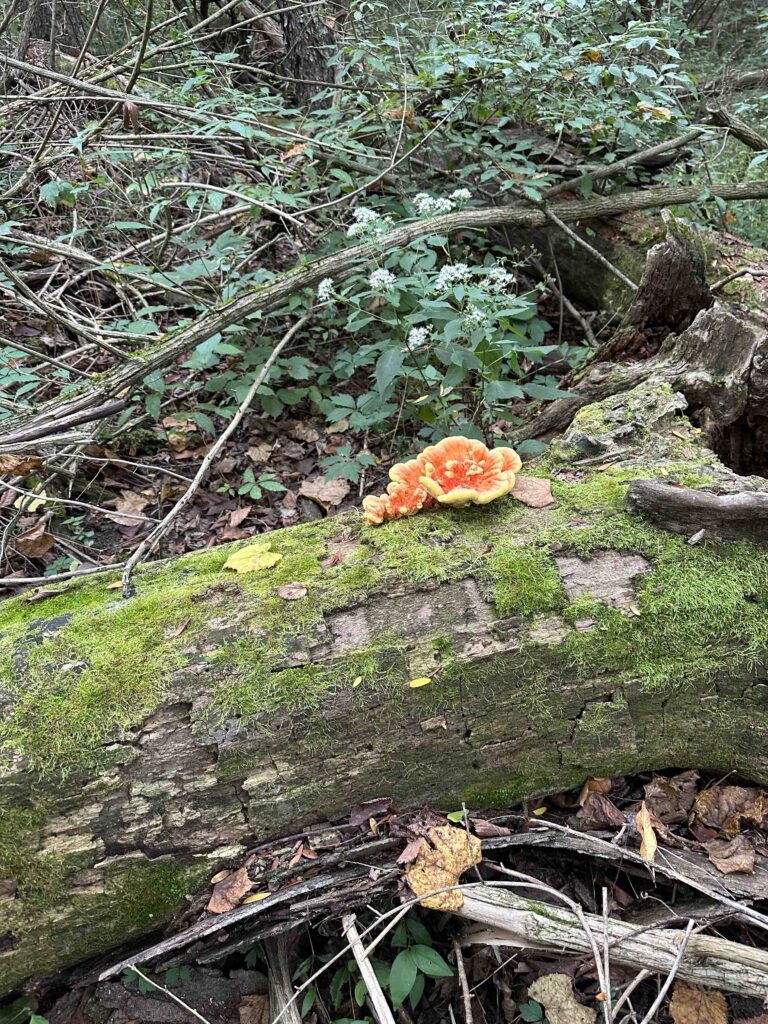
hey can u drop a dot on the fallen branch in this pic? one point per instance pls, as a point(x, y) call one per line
point(513, 920)
point(339, 266)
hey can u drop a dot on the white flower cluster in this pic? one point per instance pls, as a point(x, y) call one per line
point(419, 336)
point(474, 318)
point(451, 274)
point(498, 279)
point(368, 222)
point(383, 280)
point(325, 289)
point(428, 206)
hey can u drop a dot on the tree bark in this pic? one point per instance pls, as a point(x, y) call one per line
point(145, 742)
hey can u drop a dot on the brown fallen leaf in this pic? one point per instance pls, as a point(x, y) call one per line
point(594, 786)
point(440, 863)
point(239, 515)
point(339, 427)
point(292, 591)
point(327, 493)
point(228, 893)
point(732, 856)
point(35, 542)
point(598, 813)
point(487, 830)
point(671, 799)
point(648, 841)
point(260, 452)
point(18, 465)
point(304, 432)
point(182, 625)
point(725, 807)
point(129, 507)
point(412, 850)
point(533, 491)
point(556, 995)
point(693, 1005)
point(361, 813)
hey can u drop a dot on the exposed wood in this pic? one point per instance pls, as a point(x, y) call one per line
point(512, 920)
point(688, 511)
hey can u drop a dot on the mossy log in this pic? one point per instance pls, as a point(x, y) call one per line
point(145, 742)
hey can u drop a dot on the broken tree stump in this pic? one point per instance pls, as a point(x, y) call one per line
point(146, 742)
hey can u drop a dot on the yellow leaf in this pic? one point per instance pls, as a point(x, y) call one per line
point(253, 558)
point(648, 836)
point(421, 681)
point(539, 811)
point(439, 865)
point(356, 682)
point(23, 500)
point(256, 897)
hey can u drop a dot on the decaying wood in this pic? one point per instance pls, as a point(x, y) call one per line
point(183, 789)
point(687, 511)
point(513, 920)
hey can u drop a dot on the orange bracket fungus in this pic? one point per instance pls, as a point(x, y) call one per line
point(457, 471)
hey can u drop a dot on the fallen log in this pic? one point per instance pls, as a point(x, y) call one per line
point(145, 742)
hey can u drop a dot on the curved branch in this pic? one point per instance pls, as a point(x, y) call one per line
point(339, 266)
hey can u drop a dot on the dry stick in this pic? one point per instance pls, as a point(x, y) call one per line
point(640, 977)
point(175, 998)
point(465, 993)
point(150, 542)
point(599, 171)
point(379, 1004)
point(670, 977)
point(23, 581)
point(590, 249)
point(339, 266)
point(737, 273)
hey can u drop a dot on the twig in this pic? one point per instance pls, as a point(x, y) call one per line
point(670, 977)
point(590, 249)
point(171, 995)
point(462, 972)
point(151, 541)
point(379, 1005)
point(751, 271)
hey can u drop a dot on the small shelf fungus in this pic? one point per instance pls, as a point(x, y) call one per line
point(457, 471)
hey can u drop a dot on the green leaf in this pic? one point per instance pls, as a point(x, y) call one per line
point(417, 991)
point(361, 991)
point(430, 962)
point(546, 393)
point(401, 977)
point(309, 1000)
point(416, 929)
point(389, 364)
point(532, 1011)
point(502, 390)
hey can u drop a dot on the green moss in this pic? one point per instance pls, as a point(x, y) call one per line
point(40, 879)
point(527, 580)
